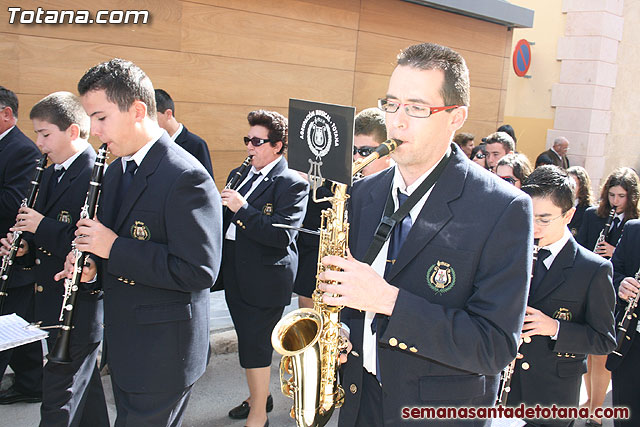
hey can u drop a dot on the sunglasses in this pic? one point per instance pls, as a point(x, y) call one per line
point(363, 151)
point(509, 179)
point(255, 141)
point(479, 156)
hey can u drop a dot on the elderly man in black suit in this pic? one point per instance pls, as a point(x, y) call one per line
point(625, 375)
point(157, 242)
point(178, 132)
point(557, 154)
point(448, 308)
point(571, 303)
point(18, 155)
point(72, 393)
point(260, 261)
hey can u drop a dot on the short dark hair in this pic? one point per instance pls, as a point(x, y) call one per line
point(164, 102)
point(463, 137)
point(123, 83)
point(543, 159)
point(62, 109)
point(371, 122)
point(502, 138)
point(9, 99)
point(429, 56)
point(519, 163)
point(508, 129)
point(275, 122)
point(627, 179)
point(583, 194)
point(553, 182)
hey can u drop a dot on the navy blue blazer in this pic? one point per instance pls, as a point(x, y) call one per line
point(196, 146)
point(18, 157)
point(52, 242)
point(267, 256)
point(157, 278)
point(591, 227)
point(463, 275)
point(578, 292)
point(626, 263)
point(576, 221)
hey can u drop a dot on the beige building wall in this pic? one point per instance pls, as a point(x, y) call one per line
point(584, 83)
point(220, 59)
point(622, 147)
point(528, 108)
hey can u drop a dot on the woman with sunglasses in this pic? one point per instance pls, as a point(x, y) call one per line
point(514, 168)
point(259, 261)
point(479, 155)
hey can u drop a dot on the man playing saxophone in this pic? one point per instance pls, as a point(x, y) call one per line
point(443, 301)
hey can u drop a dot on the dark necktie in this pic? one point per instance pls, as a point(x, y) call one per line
point(247, 185)
point(398, 236)
point(127, 178)
point(53, 182)
point(539, 270)
point(612, 237)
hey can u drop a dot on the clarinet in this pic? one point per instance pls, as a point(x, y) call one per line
point(623, 325)
point(236, 179)
point(604, 233)
point(507, 372)
point(9, 259)
point(60, 353)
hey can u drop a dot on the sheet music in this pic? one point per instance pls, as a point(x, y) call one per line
point(15, 331)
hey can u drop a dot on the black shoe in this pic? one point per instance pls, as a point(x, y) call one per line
point(10, 396)
point(241, 411)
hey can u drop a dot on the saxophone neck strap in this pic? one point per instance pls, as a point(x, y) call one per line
point(390, 218)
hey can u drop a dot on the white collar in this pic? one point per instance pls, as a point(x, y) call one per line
point(6, 132)
point(82, 144)
point(139, 155)
point(265, 170)
point(175, 135)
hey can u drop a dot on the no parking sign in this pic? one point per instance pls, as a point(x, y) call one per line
point(522, 58)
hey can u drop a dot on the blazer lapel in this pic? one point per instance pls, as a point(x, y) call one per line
point(139, 184)
point(436, 212)
point(41, 200)
point(558, 272)
point(65, 182)
point(374, 208)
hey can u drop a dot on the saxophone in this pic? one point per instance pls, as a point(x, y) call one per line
point(309, 339)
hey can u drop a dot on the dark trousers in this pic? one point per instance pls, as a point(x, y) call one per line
point(370, 412)
point(72, 393)
point(150, 409)
point(625, 379)
point(26, 360)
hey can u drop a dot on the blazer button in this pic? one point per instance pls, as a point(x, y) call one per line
point(355, 353)
point(37, 261)
point(413, 349)
point(353, 389)
point(39, 288)
point(393, 342)
point(525, 366)
point(526, 340)
point(402, 346)
point(131, 282)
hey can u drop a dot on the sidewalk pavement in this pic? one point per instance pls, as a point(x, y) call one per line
point(222, 387)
